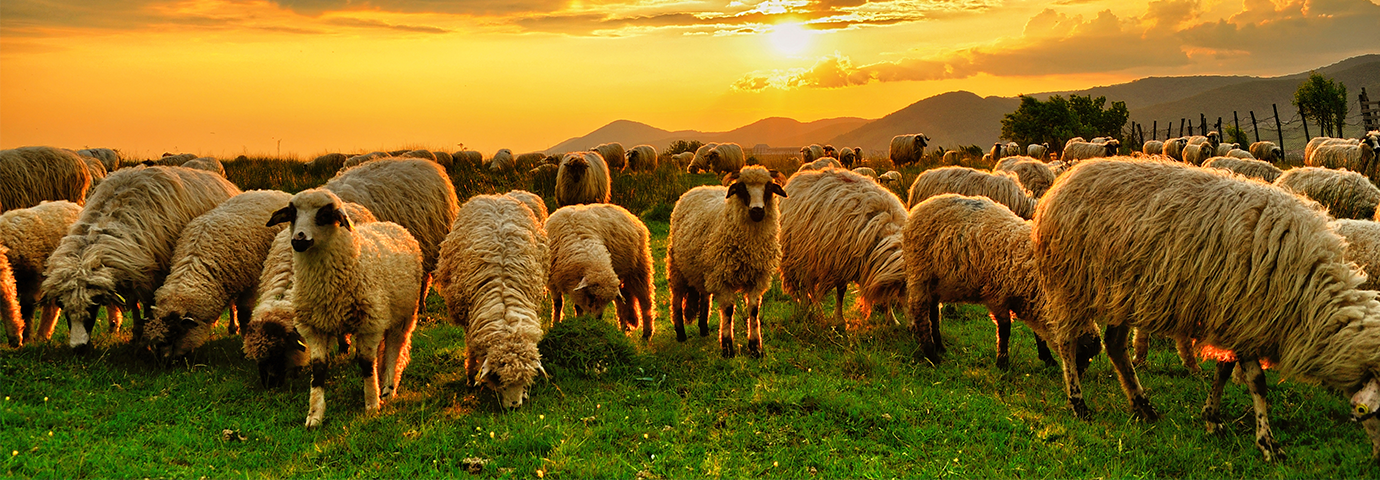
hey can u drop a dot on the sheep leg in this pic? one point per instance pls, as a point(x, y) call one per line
point(244, 312)
point(366, 352)
point(316, 347)
point(922, 309)
point(48, 320)
point(935, 317)
point(1115, 339)
point(397, 352)
point(1185, 347)
point(22, 326)
point(1142, 346)
point(702, 310)
point(678, 302)
point(645, 306)
point(627, 316)
point(838, 303)
point(1255, 378)
point(1002, 317)
point(1068, 356)
point(754, 327)
point(1045, 355)
point(557, 303)
point(726, 327)
point(426, 287)
point(115, 313)
point(1212, 409)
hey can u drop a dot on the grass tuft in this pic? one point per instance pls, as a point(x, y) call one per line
point(586, 346)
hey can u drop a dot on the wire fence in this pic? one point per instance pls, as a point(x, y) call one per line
point(1290, 130)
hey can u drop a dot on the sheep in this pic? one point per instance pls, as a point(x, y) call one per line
point(1239, 153)
point(866, 172)
point(532, 201)
point(421, 153)
point(583, 178)
point(329, 162)
point(959, 248)
point(9, 301)
point(1267, 151)
point(811, 153)
point(1246, 167)
point(1212, 138)
point(1173, 148)
point(1359, 157)
point(683, 159)
point(848, 157)
point(1343, 193)
point(724, 241)
point(1004, 188)
point(1033, 174)
point(830, 151)
point(1084, 150)
point(31, 234)
point(502, 161)
point(820, 164)
point(271, 340)
point(1316, 142)
point(29, 175)
point(209, 164)
point(414, 193)
point(95, 170)
point(1152, 147)
point(122, 244)
point(469, 157)
point(216, 263)
point(492, 274)
point(642, 158)
point(891, 178)
point(1074, 140)
point(908, 149)
point(361, 281)
point(529, 160)
point(723, 158)
point(995, 154)
point(1197, 153)
point(699, 162)
point(362, 159)
point(1011, 149)
point(952, 158)
point(109, 158)
point(837, 228)
point(1223, 149)
point(613, 155)
point(443, 159)
point(1006, 163)
point(1037, 151)
point(1362, 247)
point(1237, 265)
point(602, 253)
point(174, 160)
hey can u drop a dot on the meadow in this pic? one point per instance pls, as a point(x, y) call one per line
point(827, 401)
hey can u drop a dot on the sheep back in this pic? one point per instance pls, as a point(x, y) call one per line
point(606, 246)
point(642, 158)
point(1343, 193)
point(583, 177)
point(613, 155)
point(1246, 167)
point(414, 193)
point(1033, 174)
point(1362, 247)
point(1267, 152)
point(1004, 188)
point(29, 175)
point(532, 201)
point(907, 149)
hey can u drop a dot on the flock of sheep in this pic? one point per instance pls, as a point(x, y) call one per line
point(1188, 239)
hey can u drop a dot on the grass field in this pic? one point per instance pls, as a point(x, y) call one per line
point(827, 401)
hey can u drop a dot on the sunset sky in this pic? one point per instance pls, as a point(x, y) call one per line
point(225, 77)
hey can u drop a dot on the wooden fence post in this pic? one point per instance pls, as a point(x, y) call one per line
point(1181, 127)
point(1154, 127)
point(1278, 128)
point(1202, 123)
point(1254, 126)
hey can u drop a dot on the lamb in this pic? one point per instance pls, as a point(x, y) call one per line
point(583, 178)
point(642, 158)
point(724, 241)
point(1343, 193)
point(361, 281)
point(1249, 168)
point(1033, 174)
point(30, 175)
point(1037, 151)
point(1197, 153)
point(908, 149)
point(866, 172)
point(602, 253)
point(952, 158)
point(31, 234)
point(1359, 158)
point(502, 161)
point(109, 158)
point(848, 157)
point(1239, 266)
point(271, 339)
point(1084, 150)
point(216, 263)
point(811, 153)
point(970, 249)
point(1225, 148)
point(1003, 188)
point(1152, 147)
point(122, 244)
point(1362, 247)
point(532, 201)
point(468, 157)
point(723, 158)
point(209, 164)
point(837, 228)
point(492, 274)
point(1267, 151)
point(1174, 148)
point(891, 178)
point(699, 162)
point(613, 155)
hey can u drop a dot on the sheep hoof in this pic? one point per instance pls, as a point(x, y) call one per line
point(1141, 409)
point(313, 422)
point(1271, 449)
point(728, 350)
point(1004, 362)
point(754, 348)
point(1080, 409)
point(680, 334)
point(386, 392)
point(82, 349)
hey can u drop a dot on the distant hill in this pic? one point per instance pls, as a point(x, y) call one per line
point(775, 131)
point(950, 119)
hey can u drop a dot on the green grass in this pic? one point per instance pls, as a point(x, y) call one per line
point(826, 402)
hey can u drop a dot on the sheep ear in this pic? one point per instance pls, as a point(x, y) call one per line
point(286, 214)
point(329, 214)
point(483, 372)
point(728, 178)
point(776, 188)
point(584, 282)
point(736, 189)
point(189, 323)
point(542, 369)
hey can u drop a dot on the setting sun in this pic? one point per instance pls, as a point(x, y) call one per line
point(790, 38)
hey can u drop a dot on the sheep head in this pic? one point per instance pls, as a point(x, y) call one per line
point(921, 141)
point(595, 291)
point(754, 186)
point(509, 368)
point(80, 286)
point(1365, 405)
point(172, 333)
point(272, 343)
point(1214, 138)
point(1112, 146)
point(575, 164)
point(314, 214)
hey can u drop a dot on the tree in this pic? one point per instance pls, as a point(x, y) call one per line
point(1324, 102)
point(679, 146)
point(1056, 120)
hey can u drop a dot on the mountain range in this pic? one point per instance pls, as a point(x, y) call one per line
point(963, 118)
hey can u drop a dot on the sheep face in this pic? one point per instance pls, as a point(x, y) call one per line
point(1365, 405)
point(593, 295)
point(1214, 138)
point(314, 214)
point(508, 369)
point(1112, 146)
point(171, 335)
point(755, 196)
point(81, 301)
point(281, 348)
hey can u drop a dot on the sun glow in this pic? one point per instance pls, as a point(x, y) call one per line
point(790, 38)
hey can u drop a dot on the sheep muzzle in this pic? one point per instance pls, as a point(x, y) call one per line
point(300, 242)
point(757, 213)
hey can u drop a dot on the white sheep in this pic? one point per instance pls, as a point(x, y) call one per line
point(361, 281)
point(1011, 149)
point(29, 175)
point(848, 157)
point(1345, 194)
point(110, 159)
point(1152, 147)
point(1074, 151)
point(722, 158)
point(1037, 150)
point(468, 157)
point(492, 274)
point(1267, 151)
point(502, 161)
point(724, 241)
point(695, 162)
point(642, 158)
point(1358, 157)
point(820, 164)
point(31, 234)
point(1033, 174)
point(907, 149)
point(1239, 153)
point(209, 164)
point(811, 153)
point(216, 264)
point(837, 228)
point(1224, 149)
point(1247, 167)
point(891, 178)
point(1174, 148)
point(602, 253)
point(952, 157)
point(362, 159)
point(1003, 187)
point(683, 159)
point(532, 201)
point(1316, 142)
point(583, 177)
point(866, 171)
point(613, 155)
point(1197, 153)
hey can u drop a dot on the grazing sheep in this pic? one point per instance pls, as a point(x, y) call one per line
point(1246, 167)
point(1084, 150)
point(723, 158)
point(1223, 149)
point(583, 178)
point(866, 171)
point(1239, 153)
point(532, 201)
point(972, 250)
point(1004, 188)
point(1358, 158)
point(271, 340)
point(29, 175)
point(215, 264)
point(353, 280)
point(1011, 149)
point(209, 164)
point(683, 159)
point(365, 158)
point(1343, 193)
point(414, 193)
point(1174, 148)
point(1239, 266)
point(642, 158)
point(468, 157)
point(1316, 142)
point(1197, 153)
point(891, 178)
point(1037, 151)
point(699, 162)
point(502, 161)
point(613, 155)
point(109, 158)
point(601, 253)
point(952, 158)
point(821, 164)
point(839, 228)
point(1267, 152)
point(421, 153)
point(329, 162)
point(492, 274)
point(724, 241)
point(908, 149)
point(1033, 174)
point(1362, 247)
point(848, 157)
point(529, 160)
point(121, 247)
point(31, 234)
point(811, 153)
point(1152, 147)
